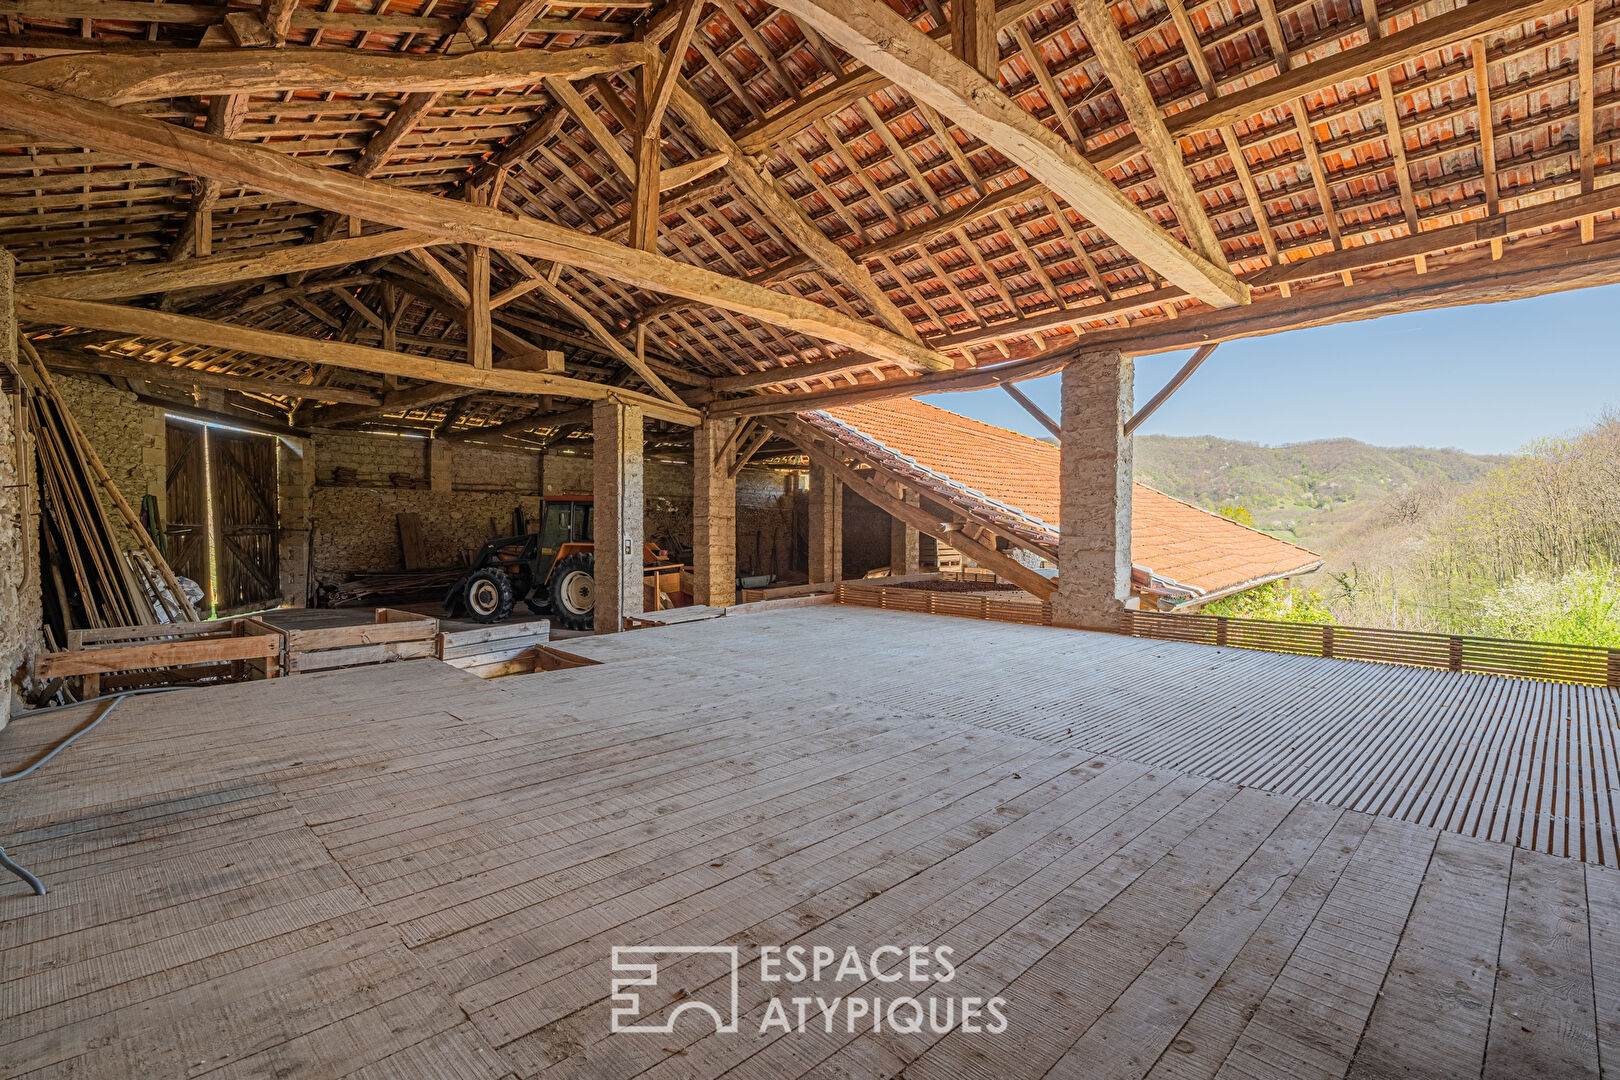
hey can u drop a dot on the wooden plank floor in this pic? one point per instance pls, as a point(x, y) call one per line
point(404, 871)
point(1534, 764)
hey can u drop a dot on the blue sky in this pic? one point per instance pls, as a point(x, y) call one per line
point(1487, 379)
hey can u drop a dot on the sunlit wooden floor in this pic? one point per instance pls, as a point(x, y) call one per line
point(403, 871)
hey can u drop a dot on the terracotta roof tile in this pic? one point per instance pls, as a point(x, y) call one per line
point(1173, 539)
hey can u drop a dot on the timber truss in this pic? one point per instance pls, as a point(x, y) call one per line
point(471, 218)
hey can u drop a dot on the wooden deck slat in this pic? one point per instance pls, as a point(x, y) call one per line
point(414, 872)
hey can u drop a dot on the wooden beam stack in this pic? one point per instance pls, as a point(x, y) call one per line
point(90, 580)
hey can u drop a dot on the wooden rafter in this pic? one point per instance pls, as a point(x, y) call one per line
point(90, 124)
point(228, 267)
point(50, 310)
point(792, 220)
point(1163, 151)
point(179, 375)
point(887, 43)
point(123, 79)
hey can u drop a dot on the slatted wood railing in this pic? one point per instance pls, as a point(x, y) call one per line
point(1451, 652)
point(1448, 652)
point(962, 605)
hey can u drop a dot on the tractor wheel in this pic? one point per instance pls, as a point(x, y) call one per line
point(538, 605)
point(488, 595)
point(573, 592)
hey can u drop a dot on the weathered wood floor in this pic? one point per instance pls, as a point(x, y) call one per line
point(403, 871)
point(1532, 763)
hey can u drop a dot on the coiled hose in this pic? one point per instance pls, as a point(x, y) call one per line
point(112, 703)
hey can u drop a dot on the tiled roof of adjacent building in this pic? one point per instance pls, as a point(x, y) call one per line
point(1173, 539)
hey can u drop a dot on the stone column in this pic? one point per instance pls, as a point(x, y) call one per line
point(19, 514)
point(714, 516)
point(617, 516)
point(826, 526)
point(1094, 550)
point(904, 543)
point(295, 491)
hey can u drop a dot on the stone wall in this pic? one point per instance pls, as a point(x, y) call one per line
point(20, 614)
point(129, 439)
point(866, 536)
point(356, 529)
point(772, 516)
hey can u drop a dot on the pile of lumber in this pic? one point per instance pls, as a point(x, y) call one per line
point(91, 581)
point(369, 588)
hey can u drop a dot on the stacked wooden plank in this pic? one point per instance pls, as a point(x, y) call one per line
point(502, 649)
point(168, 654)
point(395, 635)
point(91, 580)
point(369, 588)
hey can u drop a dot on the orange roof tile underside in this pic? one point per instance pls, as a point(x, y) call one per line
point(1172, 538)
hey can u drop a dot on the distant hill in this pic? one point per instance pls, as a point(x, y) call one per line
point(1312, 493)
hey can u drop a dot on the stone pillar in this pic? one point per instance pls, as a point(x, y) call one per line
point(714, 516)
point(295, 491)
point(441, 463)
point(1094, 549)
point(826, 526)
point(904, 543)
point(19, 514)
point(617, 516)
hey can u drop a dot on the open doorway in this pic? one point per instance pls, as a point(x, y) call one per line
point(223, 526)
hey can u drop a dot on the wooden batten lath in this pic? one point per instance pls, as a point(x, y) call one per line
point(918, 226)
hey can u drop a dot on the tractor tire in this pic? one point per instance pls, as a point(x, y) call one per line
point(573, 593)
point(488, 595)
point(538, 605)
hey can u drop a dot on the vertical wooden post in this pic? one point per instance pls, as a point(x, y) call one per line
point(973, 36)
point(649, 159)
point(1455, 653)
point(480, 332)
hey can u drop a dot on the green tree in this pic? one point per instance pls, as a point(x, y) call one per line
point(1239, 514)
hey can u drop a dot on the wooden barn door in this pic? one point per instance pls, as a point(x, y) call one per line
point(242, 475)
point(186, 490)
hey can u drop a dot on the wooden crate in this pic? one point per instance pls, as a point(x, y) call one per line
point(394, 635)
point(164, 654)
point(490, 650)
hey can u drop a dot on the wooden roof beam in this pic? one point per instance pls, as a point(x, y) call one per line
point(139, 279)
point(1124, 73)
point(1477, 19)
point(1476, 282)
point(142, 322)
point(172, 375)
point(125, 78)
point(755, 180)
point(889, 44)
point(97, 127)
